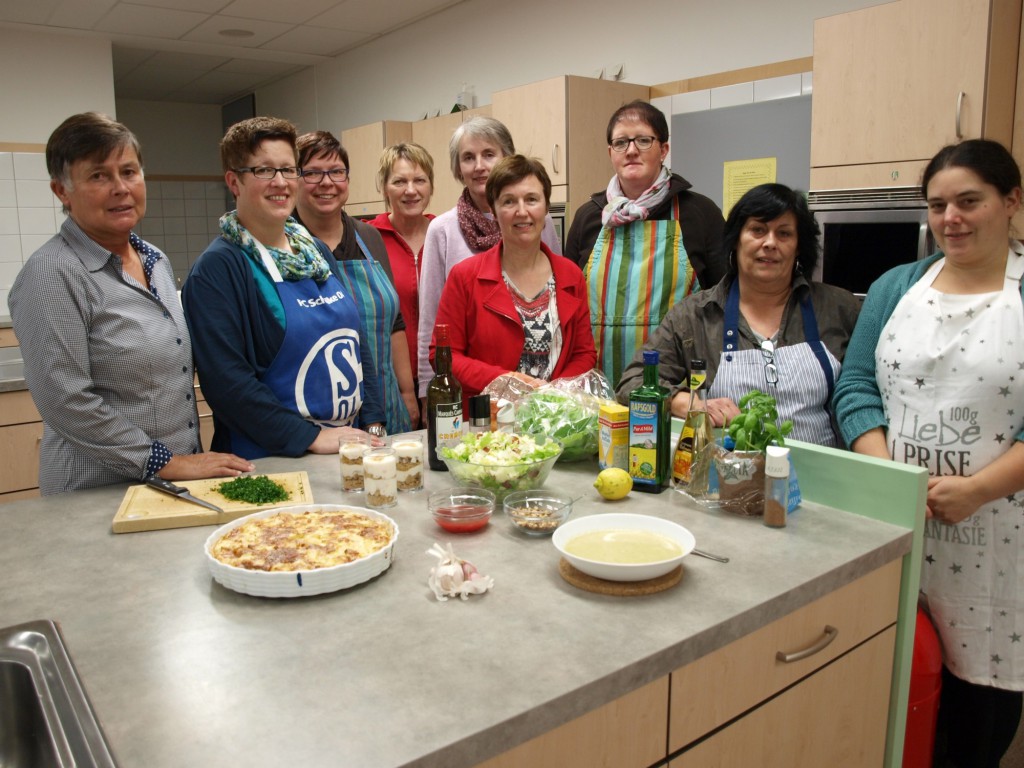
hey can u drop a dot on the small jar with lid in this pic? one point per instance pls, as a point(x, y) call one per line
point(776, 486)
point(480, 413)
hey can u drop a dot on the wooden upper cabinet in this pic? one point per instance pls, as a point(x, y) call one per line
point(562, 122)
point(364, 145)
point(433, 134)
point(893, 83)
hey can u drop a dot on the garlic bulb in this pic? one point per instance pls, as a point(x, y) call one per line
point(453, 576)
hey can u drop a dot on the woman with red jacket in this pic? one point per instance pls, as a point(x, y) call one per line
point(517, 308)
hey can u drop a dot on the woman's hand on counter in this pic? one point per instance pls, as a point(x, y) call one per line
point(720, 409)
point(199, 466)
point(330, 439)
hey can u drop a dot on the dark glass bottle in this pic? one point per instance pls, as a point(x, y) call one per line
point(650, 425)
point(444, 402)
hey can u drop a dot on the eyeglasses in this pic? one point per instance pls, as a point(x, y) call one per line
point(771, 373)
point(643, 143)
point(266, 173)
point(315, 177)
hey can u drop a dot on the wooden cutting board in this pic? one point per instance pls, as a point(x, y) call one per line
point(146, 509)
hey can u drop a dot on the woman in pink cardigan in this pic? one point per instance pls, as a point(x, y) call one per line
point(517, 308)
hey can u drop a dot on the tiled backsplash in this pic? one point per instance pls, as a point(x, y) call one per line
point(181, 216)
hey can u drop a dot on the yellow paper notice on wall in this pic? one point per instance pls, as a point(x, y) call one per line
point(738, 176)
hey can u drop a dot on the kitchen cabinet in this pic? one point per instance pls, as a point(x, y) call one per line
point(893, 83)
point(364, 145)
point(21, 432)
point(562, 122)
point(434, 135)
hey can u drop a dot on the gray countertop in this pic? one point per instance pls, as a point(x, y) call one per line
point(184, 672)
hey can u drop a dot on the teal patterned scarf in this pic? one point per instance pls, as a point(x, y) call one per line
point(306, 261)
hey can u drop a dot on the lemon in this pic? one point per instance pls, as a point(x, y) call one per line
point(614, 483)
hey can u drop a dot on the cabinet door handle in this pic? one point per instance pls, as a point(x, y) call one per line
point(959, 111)
point(554, 158)
point(830, 634)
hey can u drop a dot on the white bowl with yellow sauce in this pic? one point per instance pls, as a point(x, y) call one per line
point(623, 547)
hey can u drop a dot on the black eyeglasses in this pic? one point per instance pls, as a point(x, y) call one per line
point(266, 173)
point(315, 177)
point(643, 143)
point(771, 373)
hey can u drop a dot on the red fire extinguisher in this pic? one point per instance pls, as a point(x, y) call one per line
point(923, 704)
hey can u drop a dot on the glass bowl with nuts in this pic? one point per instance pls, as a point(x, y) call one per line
point(537, 512)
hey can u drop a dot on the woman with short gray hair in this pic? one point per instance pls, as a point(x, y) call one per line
point(107, 353)
point(469, 228)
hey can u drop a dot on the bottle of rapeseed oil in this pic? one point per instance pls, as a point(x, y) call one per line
point(650, 423)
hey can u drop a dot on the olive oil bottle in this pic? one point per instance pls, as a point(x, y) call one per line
point(444, 402)
point(696, 434)
point(650, 426)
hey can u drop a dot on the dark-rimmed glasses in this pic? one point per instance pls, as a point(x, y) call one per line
point(312, 176)
point(266, 173)
point(643, 143)
point(771, 373)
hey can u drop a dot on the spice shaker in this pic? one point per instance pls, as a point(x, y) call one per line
point(776, 486)
point(480, 413)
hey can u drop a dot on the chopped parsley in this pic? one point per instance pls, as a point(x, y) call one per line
point(253, 490)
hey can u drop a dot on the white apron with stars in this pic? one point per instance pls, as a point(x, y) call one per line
point(950, 369)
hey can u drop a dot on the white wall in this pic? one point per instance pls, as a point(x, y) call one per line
point(493, 45)
point(178, 139)
point(48, 78)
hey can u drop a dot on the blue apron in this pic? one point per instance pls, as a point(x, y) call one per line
point(317, 372)
point(377, 301)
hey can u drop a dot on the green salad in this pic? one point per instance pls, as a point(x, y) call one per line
point(501, 462)
point(565, 418)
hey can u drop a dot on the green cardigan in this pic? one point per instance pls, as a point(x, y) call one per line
point(857, 403)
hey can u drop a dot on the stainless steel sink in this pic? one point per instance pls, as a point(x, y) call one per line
point(45, 717)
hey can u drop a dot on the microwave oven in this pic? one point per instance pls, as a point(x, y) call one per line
point(866, 232)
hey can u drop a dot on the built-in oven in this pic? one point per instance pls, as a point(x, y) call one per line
point(866, 232)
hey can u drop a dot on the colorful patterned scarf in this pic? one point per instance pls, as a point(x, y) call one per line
point(621, 210)
point(481, 231)
point(306, 261)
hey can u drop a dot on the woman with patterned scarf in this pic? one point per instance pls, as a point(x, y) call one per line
point(645, 242)
point(467, 229)
point(278, 344)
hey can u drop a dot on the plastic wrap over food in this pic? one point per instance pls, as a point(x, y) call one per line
point(567, 410)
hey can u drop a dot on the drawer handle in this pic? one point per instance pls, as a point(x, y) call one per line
point(830, 634)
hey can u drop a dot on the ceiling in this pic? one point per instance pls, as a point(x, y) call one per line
point(213, 51)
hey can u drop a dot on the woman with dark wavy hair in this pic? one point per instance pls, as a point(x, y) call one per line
point(765, 325)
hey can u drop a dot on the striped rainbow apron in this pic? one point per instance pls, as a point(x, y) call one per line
point(377, 300)
point(631, 285)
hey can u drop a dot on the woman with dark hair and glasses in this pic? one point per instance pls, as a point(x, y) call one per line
point(364, 268)
point(765, 325)
point(645, 242)
point(278, 343)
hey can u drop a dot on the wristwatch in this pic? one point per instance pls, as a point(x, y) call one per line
point(377, 430)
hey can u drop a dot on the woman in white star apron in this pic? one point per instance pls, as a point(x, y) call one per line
point(765, 326)
point(363, 267)
point(278, 344)
point(645, 242)
point(934, 377)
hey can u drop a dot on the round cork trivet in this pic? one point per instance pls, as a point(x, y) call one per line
point(585, 581)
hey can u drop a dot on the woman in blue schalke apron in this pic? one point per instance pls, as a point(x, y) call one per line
point(362, 266)
point(276, 336)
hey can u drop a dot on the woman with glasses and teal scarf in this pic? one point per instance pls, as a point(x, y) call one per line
point(278, 343)
point(644, 243)
point(765, 326)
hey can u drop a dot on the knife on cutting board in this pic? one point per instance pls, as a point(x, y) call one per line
point(165, 486)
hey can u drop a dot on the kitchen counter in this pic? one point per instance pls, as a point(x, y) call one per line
point(184, 672)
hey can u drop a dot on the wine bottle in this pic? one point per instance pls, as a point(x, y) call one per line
point(444, 402)
point(696, 434)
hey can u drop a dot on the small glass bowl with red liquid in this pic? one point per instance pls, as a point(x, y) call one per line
point(461, 510)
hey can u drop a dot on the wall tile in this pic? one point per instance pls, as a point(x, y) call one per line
point(154, 190)
point(8, 194)
point(4, 309)
point(36, 221)
point(215, 190)
point(175, 244)
point(196, 225)
point(154, 208)
point(10, 248)
point(9, 221)
point(34, 193)
point(194, 190)
point(30, 165)
point(215, 207)
point(174, 207)
point(197, 244)
point(172, 190)
point(195, 207)
point(174, 225)
point(8, 271)
point(6, 165)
